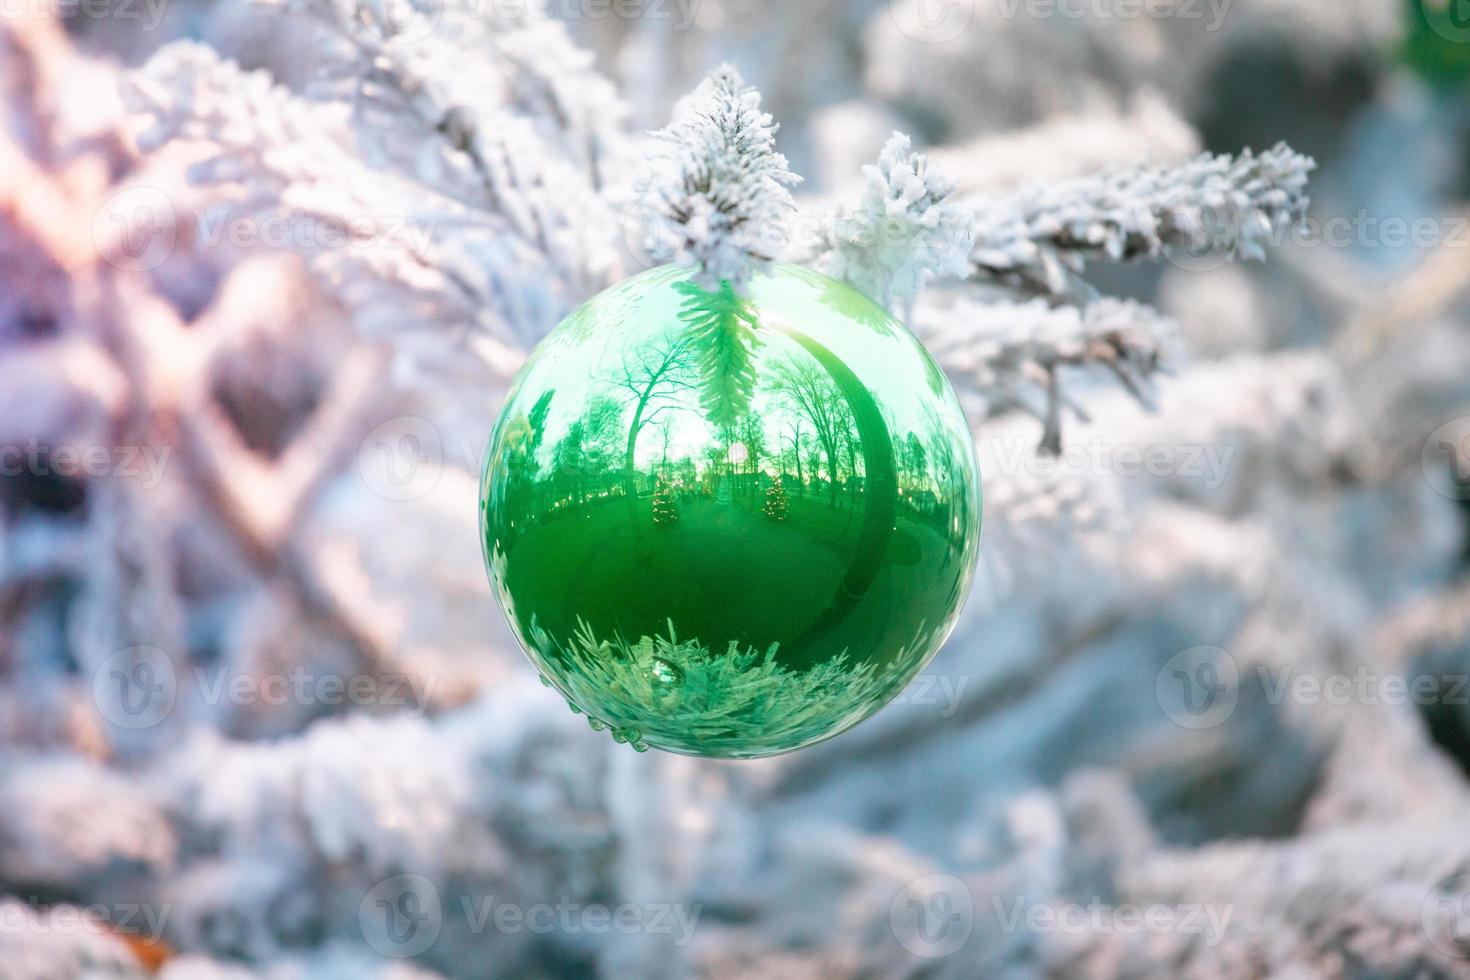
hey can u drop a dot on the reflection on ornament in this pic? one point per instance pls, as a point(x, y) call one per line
point(730, 526)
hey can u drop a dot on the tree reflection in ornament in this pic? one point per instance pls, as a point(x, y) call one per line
point(629, 494)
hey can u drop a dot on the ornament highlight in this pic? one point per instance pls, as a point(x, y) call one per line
point(730, 526)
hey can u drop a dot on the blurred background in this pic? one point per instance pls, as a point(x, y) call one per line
point(1207, 713)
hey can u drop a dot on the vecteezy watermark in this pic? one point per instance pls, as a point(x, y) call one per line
point(308, 689)
point(147, 14)
point(401, 21)
point(145, 464)
point(1363, 686)
point(932, 21)
point(680, 14)
point(1199, 687)
point(135, 688)
point(932, 916)
point(403, 916)
point(1211, 12)
point(1216, 232)
point(1445, 916)
point(138, 228)
point(1450, 19)
point(220, 226)
point(32, 917)
point(942, 691)
point(1209, 464)
point(407, 21)
point(1446, 459)
point(138, 688)
point(1363, 229)
point(1098, 917)
point(402, 458)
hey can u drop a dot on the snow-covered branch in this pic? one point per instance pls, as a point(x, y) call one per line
point(716, 186)
point(904, 229)
point(383, 242)
point(1010, 356)
point(1038, 240)
point(521, 124)
point(446, 171)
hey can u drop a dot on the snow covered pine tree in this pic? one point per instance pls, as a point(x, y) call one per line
point(497, 133)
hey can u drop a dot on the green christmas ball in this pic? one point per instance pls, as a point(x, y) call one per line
point(730, 526)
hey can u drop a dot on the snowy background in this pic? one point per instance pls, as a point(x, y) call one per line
point(267, 267)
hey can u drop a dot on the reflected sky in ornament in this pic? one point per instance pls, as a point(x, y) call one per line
point(730, 526)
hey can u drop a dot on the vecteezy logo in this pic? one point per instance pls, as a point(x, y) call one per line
point(134, 230)
point(400, 20)
point(402, 458)
point(1446, 916)
point(1198, 687)
point(1450, 19)
point(646, 232)
point(402, 916)
point(932, 916)
point(1446, 459)
point(135, 688)
point(932, 21)
point(1213, 231)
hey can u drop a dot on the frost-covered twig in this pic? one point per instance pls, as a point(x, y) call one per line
point(521, 118)
point(716, 185)
point(1036, 243)
point(1038, 240)
point(1010, 355)
point(470, 195)
point(905, 229)
point(385, 243)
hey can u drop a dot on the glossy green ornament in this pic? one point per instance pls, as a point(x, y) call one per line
point(730, 526)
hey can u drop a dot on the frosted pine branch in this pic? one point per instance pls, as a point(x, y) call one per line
point(384, 243)
point(904, 229)
point(1010, 356)
point(237, 830)
point(1038, 240)
point(717, 186)
point(533, 127)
